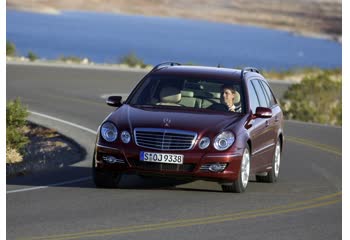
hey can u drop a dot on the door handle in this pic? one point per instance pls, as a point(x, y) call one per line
point(267, 123)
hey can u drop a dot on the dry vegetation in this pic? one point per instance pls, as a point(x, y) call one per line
point(42, 140)
point(307, 17)
point(46, 149)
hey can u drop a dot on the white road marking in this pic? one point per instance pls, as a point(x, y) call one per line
point(60, 183)
point(64, 121)
point(50, 185)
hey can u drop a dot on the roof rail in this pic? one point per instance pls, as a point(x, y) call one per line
point(248, 69)
point(164, 64)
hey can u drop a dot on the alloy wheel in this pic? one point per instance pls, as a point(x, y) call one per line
point(277, 161)
point(245, 168)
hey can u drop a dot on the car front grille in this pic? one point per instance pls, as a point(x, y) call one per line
point(165, 166)
point(164, 139)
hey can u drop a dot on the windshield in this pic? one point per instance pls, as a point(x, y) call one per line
point(211, 94)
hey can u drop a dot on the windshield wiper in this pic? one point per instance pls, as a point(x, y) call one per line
point(160, 106)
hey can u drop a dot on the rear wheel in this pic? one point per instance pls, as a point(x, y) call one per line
point(240, 185)
point(104, 179)
point(276, 162)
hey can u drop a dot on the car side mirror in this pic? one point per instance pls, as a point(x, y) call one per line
point(263, 112)
point(114, 101)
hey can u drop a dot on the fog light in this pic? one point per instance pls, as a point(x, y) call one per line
point(112, 159)
point(217, 167)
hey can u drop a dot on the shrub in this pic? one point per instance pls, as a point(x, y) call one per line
point(71, 59)
point(132, 60)
point(10, 49)
point(32, 56)
point(318, 98)
point(15, 138)
point(16, 115)
point(300, 73)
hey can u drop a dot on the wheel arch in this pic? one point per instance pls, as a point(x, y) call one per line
point(281, 138)
point(249, 142)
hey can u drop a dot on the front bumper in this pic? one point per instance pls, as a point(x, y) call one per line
point(127, 161)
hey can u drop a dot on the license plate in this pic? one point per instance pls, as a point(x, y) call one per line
point(161, 157)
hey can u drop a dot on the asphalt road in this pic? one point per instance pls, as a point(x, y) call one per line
point(64, 204)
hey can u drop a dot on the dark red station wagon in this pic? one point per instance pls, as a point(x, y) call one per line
point(193, 122)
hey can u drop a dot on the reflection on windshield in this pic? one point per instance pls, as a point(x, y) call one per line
point(194, 94)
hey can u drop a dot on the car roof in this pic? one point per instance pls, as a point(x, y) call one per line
point(199, 71)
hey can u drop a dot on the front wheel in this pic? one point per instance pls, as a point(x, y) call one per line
point(240, 185)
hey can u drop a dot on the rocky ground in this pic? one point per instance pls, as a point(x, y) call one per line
point(319, 18)
point(47, 149)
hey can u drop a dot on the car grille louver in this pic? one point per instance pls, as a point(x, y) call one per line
point(165, 167)
point(164, 139)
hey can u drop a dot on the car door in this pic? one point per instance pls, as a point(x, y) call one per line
point(257, 127)
point(276, 118)
point(262, 136)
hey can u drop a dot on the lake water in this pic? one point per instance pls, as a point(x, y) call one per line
point(108, 37)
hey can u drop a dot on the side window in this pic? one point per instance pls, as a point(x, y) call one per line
point(253, 98)
point(261, 95)
point(269, 93)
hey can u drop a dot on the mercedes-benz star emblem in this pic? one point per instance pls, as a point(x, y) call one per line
point(166, 122)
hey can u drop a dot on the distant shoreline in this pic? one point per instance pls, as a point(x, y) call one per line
point(304, 33)
point(289, 76)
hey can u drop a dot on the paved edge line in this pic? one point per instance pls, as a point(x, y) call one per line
point(320, 146)
point(64, 121)
point(49, 185)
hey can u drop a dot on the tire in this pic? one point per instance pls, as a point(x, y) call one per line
point(104, 179)
point(241, 183)
point(276, 163)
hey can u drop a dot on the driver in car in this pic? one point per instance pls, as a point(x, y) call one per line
point(228, 94)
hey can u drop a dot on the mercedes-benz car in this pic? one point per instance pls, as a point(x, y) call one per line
point(193, 122)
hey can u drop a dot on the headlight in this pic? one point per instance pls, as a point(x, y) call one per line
point(125, 136)
point(109, 132)
point(204, 143)
point(224, 140)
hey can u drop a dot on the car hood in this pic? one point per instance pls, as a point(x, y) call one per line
point(202, 122)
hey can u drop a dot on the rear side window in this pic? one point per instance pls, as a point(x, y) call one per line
point(269, 93)
point(253, 98)
point(261, 95)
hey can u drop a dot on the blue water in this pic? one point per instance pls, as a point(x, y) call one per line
point(108, 37)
